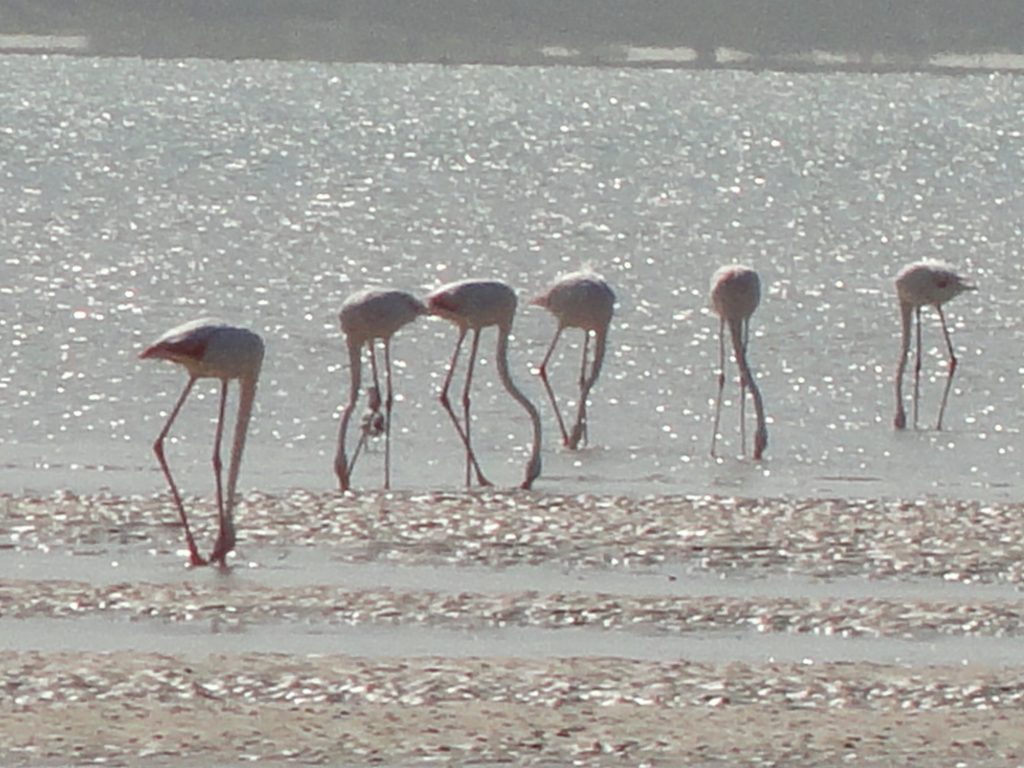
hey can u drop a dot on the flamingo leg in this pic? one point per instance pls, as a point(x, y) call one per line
point(900, 419)
point(743, 388)
point(467, 422)
point(357, 451)
point(952, 366)
point(547, 386)
point(389, 401)
point(446, 403)
point(721, 384)
point(917, 363)
point(222, 546)
point(374, 405)
point(158, 449)
point(580, 430)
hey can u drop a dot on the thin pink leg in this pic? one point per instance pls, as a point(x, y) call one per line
point(579, 431)
point(952, 366)
point(158, 449)
point(743, 389)
point(389, 401)
point(446, 403)
point(224, 543)
point(543, 373)
point(721, 384)
point(917, 364)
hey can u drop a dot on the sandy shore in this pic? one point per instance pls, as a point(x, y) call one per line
point(193, 707)
point(127, 709)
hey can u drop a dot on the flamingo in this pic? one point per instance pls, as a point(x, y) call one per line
point(366, 316)
point(475, 305)
point(735, 294)
point(917, 285)
point(211, 349)
point(578, 300)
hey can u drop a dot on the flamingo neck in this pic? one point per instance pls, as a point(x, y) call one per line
point(906, 318)
point(600, 345)
point(738, 331)
point(355, 382)
point(533, 465)
point(246, 397)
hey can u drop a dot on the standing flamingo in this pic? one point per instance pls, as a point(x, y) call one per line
point(475, 305)
point(578, 300)
point(920, 284)
point(211, 349)
point(735, 294)
point(366, 316)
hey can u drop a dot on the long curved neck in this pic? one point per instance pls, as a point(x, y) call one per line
point(600, 345)
point(246, 397)
point(533, 465)
point(355, 365)
point(737, 329)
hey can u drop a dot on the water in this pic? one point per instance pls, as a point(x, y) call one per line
point(89, 635)
point(139, 194)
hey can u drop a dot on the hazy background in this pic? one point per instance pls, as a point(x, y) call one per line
point(872, 34)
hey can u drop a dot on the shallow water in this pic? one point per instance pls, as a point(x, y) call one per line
point(294, 567)
point(137, 195)
point(375, 642)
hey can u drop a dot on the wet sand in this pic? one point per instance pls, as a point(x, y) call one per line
point(523, 628)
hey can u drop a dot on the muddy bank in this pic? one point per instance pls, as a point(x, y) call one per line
point(562, 629)
point(957, 541)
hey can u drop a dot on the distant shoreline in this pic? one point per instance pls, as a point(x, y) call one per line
point(627, 58)
point(937, 36)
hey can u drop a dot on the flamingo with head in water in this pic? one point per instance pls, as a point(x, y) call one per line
point(921, 284)
point(211, 349)
point(735, 294)
point(579, 300)
point(367, 316)
point(473, 305)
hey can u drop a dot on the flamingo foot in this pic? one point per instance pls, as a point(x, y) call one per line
point(760, 444)
point(220, 550)
point(195, 559)
point(344, 478)
point(577, 435)
point(900, 420)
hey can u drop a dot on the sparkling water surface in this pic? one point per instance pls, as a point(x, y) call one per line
point(136, 195)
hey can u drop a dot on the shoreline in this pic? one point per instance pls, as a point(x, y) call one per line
point(940, 36)
point(946, 64)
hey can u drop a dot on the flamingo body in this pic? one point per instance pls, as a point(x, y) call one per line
point(377, 313)
point(211, 349)
point(921, 284)
point(367, 316)
point(735, 295)
point(473, 305)
point(929, 283)
point(578, 300)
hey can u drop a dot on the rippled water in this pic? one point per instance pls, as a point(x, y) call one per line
point(136, 195)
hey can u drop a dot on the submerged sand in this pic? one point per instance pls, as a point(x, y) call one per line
point(192, 707)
